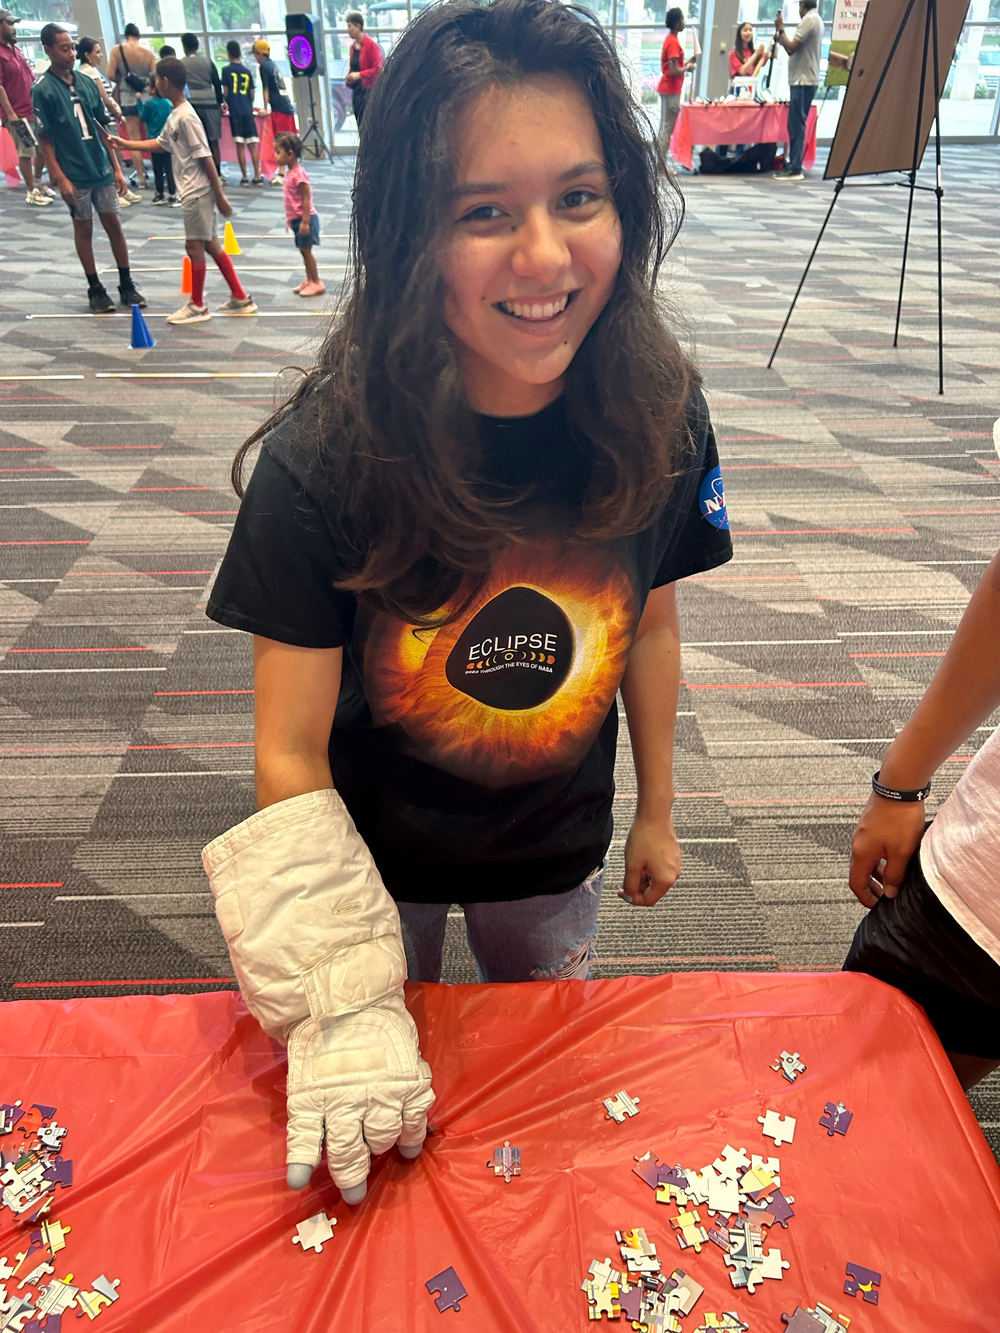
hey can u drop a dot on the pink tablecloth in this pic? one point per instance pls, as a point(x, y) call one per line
point(8, 159)
point(227, 149)
point(730, 122)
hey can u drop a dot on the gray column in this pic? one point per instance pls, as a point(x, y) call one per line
point(93, 18)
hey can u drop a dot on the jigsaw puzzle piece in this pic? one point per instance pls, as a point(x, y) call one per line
point(864, 1280)
point(772, 1265)
point(723, 1196)
point(684, 1292)
point(450, 1291)
point(779, 1128)
point(618, 1107)
point(106, 1288)
point(728, 1320)
point(789, 1065)
point(691, 1234)
point(647, 1168)
point(779, 1208)
point(31, 1121)
point(837, 1119)
point(10, 1114)
point(59, 1173)
point(57, 1297)
point(732, 1164)
point(603, 1300)
point(51, 1136)
point(802, 1322)
point(699, 1183)
point(34, 1278)
point(91, 1303)
point(314, 1232)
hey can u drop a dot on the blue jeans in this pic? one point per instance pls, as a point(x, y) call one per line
point(548, 938)
point(800, 96)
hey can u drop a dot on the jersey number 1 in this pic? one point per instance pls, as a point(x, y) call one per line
point(84, 127)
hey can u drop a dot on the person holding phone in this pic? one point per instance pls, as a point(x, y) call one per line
point(803, 80)
point(671, 85)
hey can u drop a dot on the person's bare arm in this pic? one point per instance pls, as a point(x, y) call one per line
point(649, 691)
point(221, 202)
point(963, 693)
point(305, 195)
point(791, 44)
point(135, 145)
point(56, 174)
point(8, 110)
point(295, 698)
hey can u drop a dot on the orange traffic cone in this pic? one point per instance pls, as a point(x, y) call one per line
point(186, 280)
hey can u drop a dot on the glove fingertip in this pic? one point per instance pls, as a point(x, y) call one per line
point(409, 1151)
point(299, 1175)
point(354, 1193)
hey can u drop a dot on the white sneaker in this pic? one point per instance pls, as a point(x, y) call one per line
point(47, 191)
point(37, 198)
point(247, 306)
point(132, 197)
point(190, 314)
point(124, 201)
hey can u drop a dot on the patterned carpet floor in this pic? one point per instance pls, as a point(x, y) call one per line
point(864, 507)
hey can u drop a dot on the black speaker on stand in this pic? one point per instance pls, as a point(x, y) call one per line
point(307, 58)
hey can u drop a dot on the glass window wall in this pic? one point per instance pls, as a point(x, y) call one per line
point(970, 104)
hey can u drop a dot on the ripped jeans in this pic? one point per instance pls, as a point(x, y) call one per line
point(548, 938)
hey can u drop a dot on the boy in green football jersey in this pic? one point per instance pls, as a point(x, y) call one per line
point(70, 120)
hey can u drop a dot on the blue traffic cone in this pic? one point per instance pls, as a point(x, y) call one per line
point(141, 336)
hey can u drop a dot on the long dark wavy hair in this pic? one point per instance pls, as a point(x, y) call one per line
point(383, 414)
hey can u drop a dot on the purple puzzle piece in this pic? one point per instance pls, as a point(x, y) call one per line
point(837, 1119)
point(672, 1175)
point(857, 1278)
point(801, 1322)
point(60, 1173)
point(52, 1324)
point(779, 1209)
point(451, 1290)
point(648, 1169)
point(631, 1304)
point(9, 1116)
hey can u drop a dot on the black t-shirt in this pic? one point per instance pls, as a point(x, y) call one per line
point(477, 760)
point(273, 80)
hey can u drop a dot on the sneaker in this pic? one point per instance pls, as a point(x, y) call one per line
point(132, 197)
point(173, 201)
point(247, 306)
point(47, 191)
point(130, 297)
point(312, 289)
point(37, 198)
point(124, 201)
point(278, 180)
point(258, 180)
point(100, 302)
point(788, 174)
point(190, 314)
point(223, 178)
point(244, 183)
point(298, 290)
point(157, 199)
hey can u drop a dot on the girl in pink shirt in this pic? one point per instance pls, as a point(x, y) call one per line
point(300, 211)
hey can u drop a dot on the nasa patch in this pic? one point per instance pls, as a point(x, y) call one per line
point(712, 499)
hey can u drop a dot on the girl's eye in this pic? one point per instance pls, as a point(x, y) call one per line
point(484, 213)
point(579, 198)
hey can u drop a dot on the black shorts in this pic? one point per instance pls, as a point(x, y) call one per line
point(914, 943)
point(244, 128)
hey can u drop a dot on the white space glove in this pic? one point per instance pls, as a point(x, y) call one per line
point(316, 947)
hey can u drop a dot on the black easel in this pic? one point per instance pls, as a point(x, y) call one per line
point(930, 39)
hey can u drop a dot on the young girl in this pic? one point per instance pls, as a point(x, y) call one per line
point(460, 540)
point(744, 60)
point(300, 211)
point(153, 112)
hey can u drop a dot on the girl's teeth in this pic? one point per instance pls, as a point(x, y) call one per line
point(535, 311)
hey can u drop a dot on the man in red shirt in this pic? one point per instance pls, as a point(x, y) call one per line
point(16, 79)
point(671, 83)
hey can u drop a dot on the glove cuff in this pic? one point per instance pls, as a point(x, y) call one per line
point(310, 927)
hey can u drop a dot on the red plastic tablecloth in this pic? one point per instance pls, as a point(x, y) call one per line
point(8, 158)
point(227, 147)
point(732, 122)
point(175, 1110)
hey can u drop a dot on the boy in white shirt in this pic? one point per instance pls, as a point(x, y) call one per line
point(201, 194)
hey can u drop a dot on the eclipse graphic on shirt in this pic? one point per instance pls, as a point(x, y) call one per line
point(514, 653)
point(516, 689)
